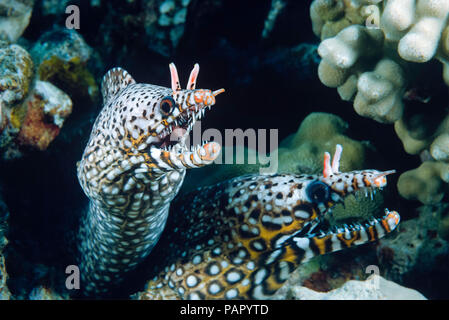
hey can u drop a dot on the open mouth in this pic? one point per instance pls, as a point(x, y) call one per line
point(369, 229)
point(173, 137)
point(195, 102)
point(324, 227)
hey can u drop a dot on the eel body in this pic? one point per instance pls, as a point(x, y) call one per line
point(238, 239)
point(242, 238)
point(132, 168)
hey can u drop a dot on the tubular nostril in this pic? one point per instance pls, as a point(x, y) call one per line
point(217, 92)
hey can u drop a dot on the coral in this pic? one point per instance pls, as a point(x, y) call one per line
point(427, 183)
point(47, 109)
point(16, 70)
point(14, 18)
point(373, 288)
point(377, 61)
point(319, 132)
point(61, 57)
point(329, 17)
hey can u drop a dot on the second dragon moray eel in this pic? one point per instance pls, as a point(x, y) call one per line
point(132, 168)
point(241, 239)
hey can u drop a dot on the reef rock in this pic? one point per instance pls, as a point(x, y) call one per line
point(61, 57)
point(373, 288)
point(33, 111)
point(16, 71)
point(44, 293)
point(45, 113)
point(14, 18)
point(164, 24)
point(416, 251)
point(4, 213)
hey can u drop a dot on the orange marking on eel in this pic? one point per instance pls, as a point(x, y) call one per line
point(385, 225)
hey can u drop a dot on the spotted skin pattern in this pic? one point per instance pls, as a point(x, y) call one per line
point(132, 168)
point(242, 238)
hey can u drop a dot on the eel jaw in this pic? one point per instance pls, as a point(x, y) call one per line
point(193, 104)
point(358, 183)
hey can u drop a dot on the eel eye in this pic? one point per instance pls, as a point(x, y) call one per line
point(167, 104)
point(318, 192)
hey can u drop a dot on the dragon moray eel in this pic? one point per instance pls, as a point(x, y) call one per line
point(240, 239)
point(132, 168)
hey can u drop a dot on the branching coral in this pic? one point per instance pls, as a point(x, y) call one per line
point(374, 52)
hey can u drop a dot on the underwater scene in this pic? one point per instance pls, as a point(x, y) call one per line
point(213, 149)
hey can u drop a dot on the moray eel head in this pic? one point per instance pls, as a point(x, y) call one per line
point(175, 114)
point(154, 122)
point(320, 194)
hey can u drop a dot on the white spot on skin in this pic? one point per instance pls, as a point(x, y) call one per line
point(191, 281)
point(214, 288)
point(214, 270)
point(284, 271)
point(194, 296)
point(302, 243)
point(258, 293)
point(273, 256)
point(237, 260)
point(233, 277)
point(257, 245)
point(242, 254)
point(196, 259)
point(260, 276)
point(231, 294)
point(302, 214)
